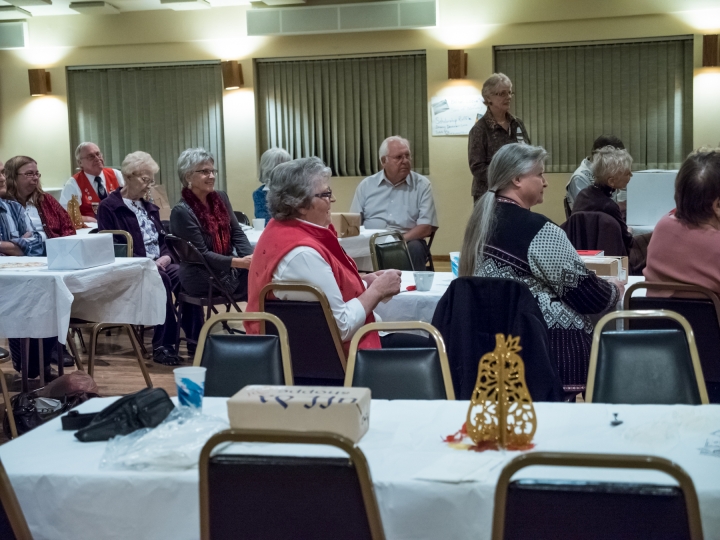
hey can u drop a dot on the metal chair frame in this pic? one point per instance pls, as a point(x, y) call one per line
point(398, 237)
point(645, 314)
point(265, 317)
point(678, 287)
point(242, 218)
point(298, 286)
point(10, 504)
point(6, 397)
point(430, 264)
point(606, 461)
point(355, 455)
point(396, 326)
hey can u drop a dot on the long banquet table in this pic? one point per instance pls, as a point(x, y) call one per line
point(425, 489)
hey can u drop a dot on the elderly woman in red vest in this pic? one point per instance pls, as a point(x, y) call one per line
point(300, 244)
point(46, 216)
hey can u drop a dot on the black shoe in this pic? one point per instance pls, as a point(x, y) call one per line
point(166, 356)
point(67, 359)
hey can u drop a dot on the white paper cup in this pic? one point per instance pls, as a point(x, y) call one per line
point(455, 262)
point(258, 224)
point(190, 383)
point(423, 280)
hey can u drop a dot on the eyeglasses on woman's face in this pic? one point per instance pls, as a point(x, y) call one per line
point(504, 94)
point(31, 174)
point(325, 195)
point(208, 172)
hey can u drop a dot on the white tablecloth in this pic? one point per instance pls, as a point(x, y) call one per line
point(64, 493)
point(37, 302)
point(358, 247)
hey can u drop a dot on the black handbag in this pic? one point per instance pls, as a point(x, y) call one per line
point(143, 409)
point(29, 416)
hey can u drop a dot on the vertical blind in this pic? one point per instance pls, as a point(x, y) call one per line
point(340, 110)
point(640, 91)
point(161, 110)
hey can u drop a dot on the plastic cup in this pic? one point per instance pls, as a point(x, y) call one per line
point(455, 262)
point(190, 383)
point(258, 224)
point(423, 280)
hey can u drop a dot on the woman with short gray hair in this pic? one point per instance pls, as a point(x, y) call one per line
point(504, 239)
point(205, 218)
point(268, 161)
point(300, 244)
point(494, 130)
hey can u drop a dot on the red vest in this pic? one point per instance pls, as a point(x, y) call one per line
point(281, 237)
point(88, 195)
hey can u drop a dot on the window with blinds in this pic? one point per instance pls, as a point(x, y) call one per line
point(341, 109)
point(640, 92)
point(161, 110)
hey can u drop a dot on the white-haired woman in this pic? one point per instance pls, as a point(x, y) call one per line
point(504, 239)
point(205, 217)
point(612, 171)
point(127, 209)
point(493, 131)
point(268, 161)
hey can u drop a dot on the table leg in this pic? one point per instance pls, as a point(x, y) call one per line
point(61, 361)
point(41, 361)
point(24, 361)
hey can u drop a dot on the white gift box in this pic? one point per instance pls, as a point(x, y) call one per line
point(335, 409)
point(79, 252)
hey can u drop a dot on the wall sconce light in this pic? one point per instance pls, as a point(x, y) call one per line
point(39, 82)
point(232, 75)
point(457, 64)
point(711, 51)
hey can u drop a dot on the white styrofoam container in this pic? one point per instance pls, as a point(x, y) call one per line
point(334, 409)
point(79, 252)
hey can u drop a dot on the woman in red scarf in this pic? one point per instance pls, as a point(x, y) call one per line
point(205, 217)
point(46, 215)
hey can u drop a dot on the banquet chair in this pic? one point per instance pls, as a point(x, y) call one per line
point(316, 348)
point(595, 230)
point(6, 399)
point(592, 510)
point(236, 360)
point(702, 312)
point(242, 218)
point(400, 373)
point(430, 265)
point(280, 497)
point(185, 252)
point(645, 367)
point(12, 520)
point(390, 255)
point(121, 250)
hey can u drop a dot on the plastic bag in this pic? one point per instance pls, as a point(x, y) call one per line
point(175, 444)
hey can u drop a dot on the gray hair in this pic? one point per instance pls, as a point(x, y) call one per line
point(385, 146)
point(269, 160)
point(80, 148)
point(190, 159)
point(509, 163)
point(137, 161)
point(609, 161)
point(292, 186)
point(492, 83)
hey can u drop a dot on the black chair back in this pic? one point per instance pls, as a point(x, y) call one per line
point(701, 313)
point(390, 255)
point(595, 230)
point(565, 510)
point(281, 497)
point(183, 251)
point(653, 367)
point(242, 217)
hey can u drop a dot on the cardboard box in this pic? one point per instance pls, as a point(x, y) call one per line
point(159, 198)
point(346, 224)
point(608, 266)
point(335, 409)
point(79, 252)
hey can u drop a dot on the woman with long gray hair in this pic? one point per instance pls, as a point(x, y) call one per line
point(504, 239)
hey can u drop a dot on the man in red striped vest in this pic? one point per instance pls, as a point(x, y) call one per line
point(93, 183)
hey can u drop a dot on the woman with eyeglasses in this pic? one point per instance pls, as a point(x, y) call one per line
point(493, 131)
point(127, 209)
point(46, 216)
point(205, 218)
point(300, 244)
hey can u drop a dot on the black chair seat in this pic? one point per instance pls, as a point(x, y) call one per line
point(203, 301)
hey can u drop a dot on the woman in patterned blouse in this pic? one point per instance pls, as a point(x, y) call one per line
point(504, 239)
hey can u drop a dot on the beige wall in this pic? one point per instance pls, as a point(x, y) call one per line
point(39, 126)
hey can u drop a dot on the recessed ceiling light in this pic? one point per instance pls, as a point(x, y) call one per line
point(94, 8)
point(25, 3)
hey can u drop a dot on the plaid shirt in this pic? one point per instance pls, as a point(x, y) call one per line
point(14, 225)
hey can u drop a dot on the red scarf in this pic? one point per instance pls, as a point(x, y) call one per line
point(213, 217)
point(55, 219)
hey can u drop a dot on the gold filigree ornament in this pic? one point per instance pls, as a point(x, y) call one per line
point(501, 410)
point(73, 210)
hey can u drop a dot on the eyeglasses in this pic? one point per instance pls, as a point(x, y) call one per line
point(504, 93)
point(398, 159)
point(208, 172)
point(91, 157)
point(147, 180)
point(31, 174)
point(324, 195)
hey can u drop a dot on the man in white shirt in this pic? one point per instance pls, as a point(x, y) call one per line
point(92, 183)
point(583, 175)
point(398, 199)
